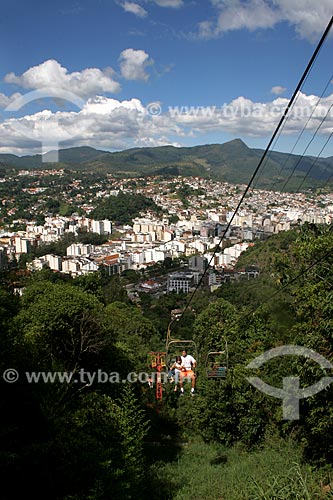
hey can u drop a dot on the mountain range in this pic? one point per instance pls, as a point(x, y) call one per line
point(232, 162)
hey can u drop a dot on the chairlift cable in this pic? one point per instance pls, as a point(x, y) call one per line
point(328, 83)
point(297, 277)
point(308, 145)
point(315, 160)
point(282, 119)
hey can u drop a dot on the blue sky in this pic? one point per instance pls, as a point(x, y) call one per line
point(139, 73)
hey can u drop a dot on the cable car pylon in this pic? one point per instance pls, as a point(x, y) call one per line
point(157, 362)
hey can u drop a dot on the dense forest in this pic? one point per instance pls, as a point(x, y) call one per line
point(77, 440)
point(124, 207)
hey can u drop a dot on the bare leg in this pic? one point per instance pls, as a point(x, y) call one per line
point(181, 383)
point(193, 381)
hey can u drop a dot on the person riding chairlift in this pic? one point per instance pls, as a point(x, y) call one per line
point(174, 371)
point(188, 365)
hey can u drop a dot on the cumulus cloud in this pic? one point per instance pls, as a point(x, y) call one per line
point(87, 82)
point(244, 117)
point(133, 64)
point(102, 122)
point(108, 123)
point(255, 14)
point(278, 89)
point(135, 9)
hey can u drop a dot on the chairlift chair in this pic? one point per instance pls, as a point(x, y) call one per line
point(217, 364)
point(176, 346)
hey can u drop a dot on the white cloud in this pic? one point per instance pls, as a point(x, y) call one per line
point(87, 82)
point(309, 22)
point(103, 123)
point(251, 15)
point(135, 9)
point(6, 100)
point(111, 124)
point(243, 117)
point(169, 3)
point(278, 89)
point(133, 64)
point(101, 105)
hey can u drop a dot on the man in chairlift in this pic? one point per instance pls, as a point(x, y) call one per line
point(188, 365)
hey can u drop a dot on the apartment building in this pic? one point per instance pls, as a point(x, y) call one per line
point(180, 282)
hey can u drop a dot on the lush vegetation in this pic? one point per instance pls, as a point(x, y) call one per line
point(123, 208)
point(31, 197)
point(96, 441)
point(210, 471)
point(231, 162)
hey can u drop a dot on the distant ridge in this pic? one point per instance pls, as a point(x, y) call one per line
point(232, 162)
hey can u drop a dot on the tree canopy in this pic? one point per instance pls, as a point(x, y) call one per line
point(95, 440)
point(123, 208)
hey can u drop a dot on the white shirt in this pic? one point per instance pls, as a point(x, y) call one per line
point(177, 366)
point(187, 361)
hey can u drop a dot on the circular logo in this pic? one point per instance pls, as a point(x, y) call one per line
point(291, 392)
point(10, 375)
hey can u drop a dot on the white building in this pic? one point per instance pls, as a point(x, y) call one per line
point(77, 249)
point(24, 245)
point(89, 267)
point(174, 247)
point(180, 282)
point(71, 266)
point(36, 264)
point(236, 250)
point(54, 262)
point(138, 257)
point(101, 226)
point(199, 246)
point(220, 260)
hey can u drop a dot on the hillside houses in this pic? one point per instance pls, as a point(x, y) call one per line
point(191, 230)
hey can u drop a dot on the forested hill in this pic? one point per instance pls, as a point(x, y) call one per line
point(108, 437)
point(230, 162)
